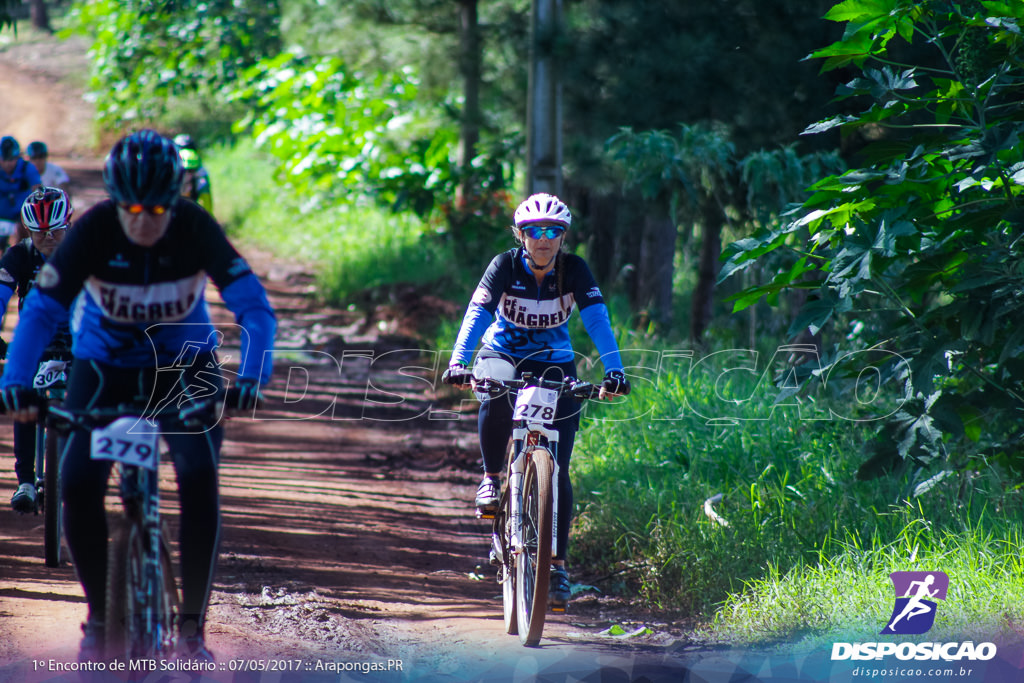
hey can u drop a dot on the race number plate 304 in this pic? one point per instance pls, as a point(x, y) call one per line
point(536, 404)
point(124, 440)
point(50, 372)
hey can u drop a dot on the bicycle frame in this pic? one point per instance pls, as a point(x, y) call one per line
point(142, 595)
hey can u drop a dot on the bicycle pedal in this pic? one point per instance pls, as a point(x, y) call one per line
point(485, 514)
point(560, 609)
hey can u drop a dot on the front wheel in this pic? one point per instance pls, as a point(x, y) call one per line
point(126, 590)
point(501, 548)
point(140, 624)
point(533, 564)
point(51, 499)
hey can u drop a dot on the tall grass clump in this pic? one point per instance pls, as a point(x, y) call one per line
point(351, 248)
point(699, 493)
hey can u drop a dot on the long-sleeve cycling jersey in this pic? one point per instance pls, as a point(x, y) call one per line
point(516, 316)
point(19, 267)
point(133, 306)
point(14, 188)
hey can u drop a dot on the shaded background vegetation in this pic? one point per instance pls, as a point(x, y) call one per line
point(865, 201)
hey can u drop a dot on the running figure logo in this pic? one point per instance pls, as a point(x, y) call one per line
point(914, 611)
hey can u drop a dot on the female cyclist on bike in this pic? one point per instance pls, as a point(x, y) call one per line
point(521, 310)
point(135, 267)
point(46, 214)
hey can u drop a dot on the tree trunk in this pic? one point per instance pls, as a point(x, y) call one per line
point(702, 304)
point(654, 276)
point(40, 17)
point(469, 67)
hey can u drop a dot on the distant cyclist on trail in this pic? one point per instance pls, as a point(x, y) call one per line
point(136, 267)
point(50, 173)
point(521, 309)
point(196, 183)
point(46, 214)
point(18, 179)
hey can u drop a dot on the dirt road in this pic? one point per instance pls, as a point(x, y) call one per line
point(349, 543)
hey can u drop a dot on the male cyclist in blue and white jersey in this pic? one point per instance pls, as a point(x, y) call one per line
point(521, 310)
point(18, 179)
point(46, 214)
point(135, 269)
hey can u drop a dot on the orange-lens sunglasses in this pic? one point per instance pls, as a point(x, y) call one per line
point(136, 209)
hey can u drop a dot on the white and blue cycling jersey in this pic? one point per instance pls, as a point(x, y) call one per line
point(515, 316)
point(137, 307)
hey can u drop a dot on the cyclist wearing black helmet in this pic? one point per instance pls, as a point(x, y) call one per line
point(135, 267)
point(46, 214)
point(18, 179)
point(50, 173)
point(521, 312)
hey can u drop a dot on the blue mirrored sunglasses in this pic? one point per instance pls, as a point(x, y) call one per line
point(536, 232)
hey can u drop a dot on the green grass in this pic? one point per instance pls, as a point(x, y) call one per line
point(808, 548)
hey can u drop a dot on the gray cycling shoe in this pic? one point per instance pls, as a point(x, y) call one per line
point(24, 499)
point(193, 649)
point(91, 648)
point(488, 495)
point(560, 589)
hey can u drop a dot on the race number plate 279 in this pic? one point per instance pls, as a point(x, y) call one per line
point(536, 404)
point(120, 443)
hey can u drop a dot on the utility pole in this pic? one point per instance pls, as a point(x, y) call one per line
point(544, 101)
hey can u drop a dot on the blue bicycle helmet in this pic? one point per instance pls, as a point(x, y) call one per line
point(9, 148)
point(37, 149)
point(143, 168)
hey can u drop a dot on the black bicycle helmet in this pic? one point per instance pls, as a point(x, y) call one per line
point(9, 148)
point(143, 168)
point(36, 149)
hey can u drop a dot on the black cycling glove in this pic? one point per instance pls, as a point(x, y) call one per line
point(244, 396)
point(615, 382)
point(15, 398)
point(457, 375)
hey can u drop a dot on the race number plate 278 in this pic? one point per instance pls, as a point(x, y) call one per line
point(535, 404)
point(120, 443)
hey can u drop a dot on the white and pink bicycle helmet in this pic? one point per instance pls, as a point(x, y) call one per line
point(542, 208)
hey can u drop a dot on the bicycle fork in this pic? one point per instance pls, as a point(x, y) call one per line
point(516, 475)
point(140, 496)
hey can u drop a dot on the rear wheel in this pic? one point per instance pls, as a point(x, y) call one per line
point(533, 565)
point(51, 499)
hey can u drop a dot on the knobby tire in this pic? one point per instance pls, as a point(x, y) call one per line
point(126, 595)
point(533, 565)
point(52, 526)
point(125, 567)
point(501, 536)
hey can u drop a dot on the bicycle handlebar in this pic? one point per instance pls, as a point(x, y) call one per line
point(202, 413)
point(570, 385)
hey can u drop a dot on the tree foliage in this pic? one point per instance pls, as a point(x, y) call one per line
point(918, 248)
point(339, 132)
point(146, 53)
